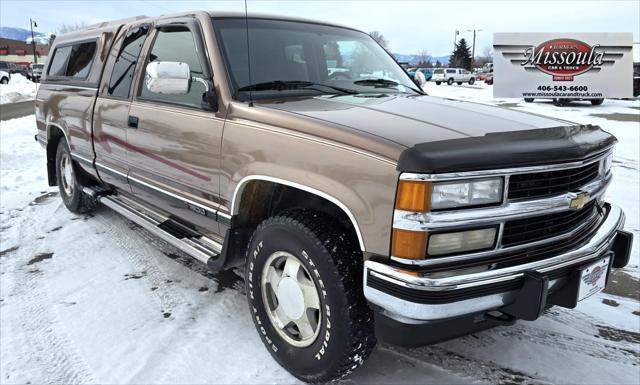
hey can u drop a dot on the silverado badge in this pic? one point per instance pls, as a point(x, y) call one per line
point(578, 200)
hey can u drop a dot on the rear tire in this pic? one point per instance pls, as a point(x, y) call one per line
point(336, 332)
point(4, 81)
point(438, 83)
point(450, 81)
point(597, 102)
point(471, 81)
point(528, 100)
point(70, 188)
point(459, 83)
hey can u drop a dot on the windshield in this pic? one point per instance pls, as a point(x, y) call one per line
point(38, 66)
point(296, 59)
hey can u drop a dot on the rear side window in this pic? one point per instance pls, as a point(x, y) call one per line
point(73, 61)
point(451, 71)
point(59, 62)
point(125, 65)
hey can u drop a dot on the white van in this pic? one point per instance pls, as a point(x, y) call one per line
point(452, 75)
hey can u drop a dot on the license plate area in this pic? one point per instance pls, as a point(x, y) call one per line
point(593, 278)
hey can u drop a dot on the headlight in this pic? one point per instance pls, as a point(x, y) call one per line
point(605, 164)
point(466, 193)
point(461, 241)
point(420, 196)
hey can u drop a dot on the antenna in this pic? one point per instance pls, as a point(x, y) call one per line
point(246, 22)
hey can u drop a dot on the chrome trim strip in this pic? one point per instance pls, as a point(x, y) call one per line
point(211, 211)
point(600, 241)
point(64, 86)
point(235, 203)
point(109, 169)
point(502, 172)
point(81, 158)
point(438, 220)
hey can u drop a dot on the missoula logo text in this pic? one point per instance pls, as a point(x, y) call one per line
point(563, 58)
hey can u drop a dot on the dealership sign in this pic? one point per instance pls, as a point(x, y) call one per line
point(563, 65)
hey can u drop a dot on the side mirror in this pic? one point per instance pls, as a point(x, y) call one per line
point(168, 77)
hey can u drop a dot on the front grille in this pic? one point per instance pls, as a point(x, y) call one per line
point(540, 227)
point(548, 183)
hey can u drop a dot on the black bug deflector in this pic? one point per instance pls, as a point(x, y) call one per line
point(507, 150)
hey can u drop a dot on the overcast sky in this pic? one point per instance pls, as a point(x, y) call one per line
point(410, 26)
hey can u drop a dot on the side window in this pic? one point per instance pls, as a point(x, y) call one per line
point(80, 60)
point(58, 64)
point(73, 61)
point(125, 65)
point(176, 44)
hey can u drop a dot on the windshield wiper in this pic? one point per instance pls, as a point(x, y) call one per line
point(283, 85)
point(383, 83)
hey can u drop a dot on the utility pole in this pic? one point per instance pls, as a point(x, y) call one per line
point(455, 39)
point(473, 45)
point(33, 40)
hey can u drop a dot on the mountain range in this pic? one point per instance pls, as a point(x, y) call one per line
point(23, 35)
point(413, 59)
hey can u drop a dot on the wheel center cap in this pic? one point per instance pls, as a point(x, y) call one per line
point(290, 297)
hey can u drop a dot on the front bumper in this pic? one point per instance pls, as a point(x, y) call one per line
point(412, 299)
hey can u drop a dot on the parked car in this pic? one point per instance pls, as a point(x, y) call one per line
point(560, 102)
point(452, 75)
point(488, 79)
point(35, 72)
point(427, 72)
point(636, 79)
point(361, 209)
point(5, 77)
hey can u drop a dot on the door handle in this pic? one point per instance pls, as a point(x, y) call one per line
point(132, 121)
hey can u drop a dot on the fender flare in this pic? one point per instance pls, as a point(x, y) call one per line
point(235, 203)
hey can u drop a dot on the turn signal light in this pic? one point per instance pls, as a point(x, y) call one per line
point(409, 244)
point(414, 196)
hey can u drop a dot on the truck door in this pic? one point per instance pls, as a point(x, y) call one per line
point(174, 140)
point(112, 106)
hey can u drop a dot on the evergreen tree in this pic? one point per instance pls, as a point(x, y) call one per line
point(461, 56)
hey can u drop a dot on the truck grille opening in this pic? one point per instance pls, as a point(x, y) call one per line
point(541, 184)
point(540, 227)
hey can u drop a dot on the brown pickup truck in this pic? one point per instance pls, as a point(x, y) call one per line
point(362, 208)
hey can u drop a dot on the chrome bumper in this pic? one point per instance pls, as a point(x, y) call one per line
point(407, 311)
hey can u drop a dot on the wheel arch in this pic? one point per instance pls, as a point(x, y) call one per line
point(296, 191)
point(54, 134)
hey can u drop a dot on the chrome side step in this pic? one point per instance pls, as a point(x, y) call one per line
point(198, 246)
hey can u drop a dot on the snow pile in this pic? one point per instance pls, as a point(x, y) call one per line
point(19, 89)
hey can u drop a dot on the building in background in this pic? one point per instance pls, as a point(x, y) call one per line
point(21, 52)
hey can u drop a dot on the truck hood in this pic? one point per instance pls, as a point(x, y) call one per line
point(417, 119)
point(445, 135)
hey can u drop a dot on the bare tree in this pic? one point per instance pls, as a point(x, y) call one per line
point(487, 56)
point(66, 28)
point(379, 37)
point(424, 59)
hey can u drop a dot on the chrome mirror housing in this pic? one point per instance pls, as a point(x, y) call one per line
point(168, 78)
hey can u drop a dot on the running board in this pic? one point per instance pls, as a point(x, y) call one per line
point(187, 240)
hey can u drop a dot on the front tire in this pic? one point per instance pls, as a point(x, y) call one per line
point(68, 184)
point(304, 287)
point(438, 83)
point(528, 100)
point(597, 102)
point(4, 81)
point(450, 81)
point(471, 81)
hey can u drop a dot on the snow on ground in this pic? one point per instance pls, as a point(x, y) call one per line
point(19, 89)
point(96, 299)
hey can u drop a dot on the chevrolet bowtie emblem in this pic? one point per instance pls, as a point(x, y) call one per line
point(578, 200)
